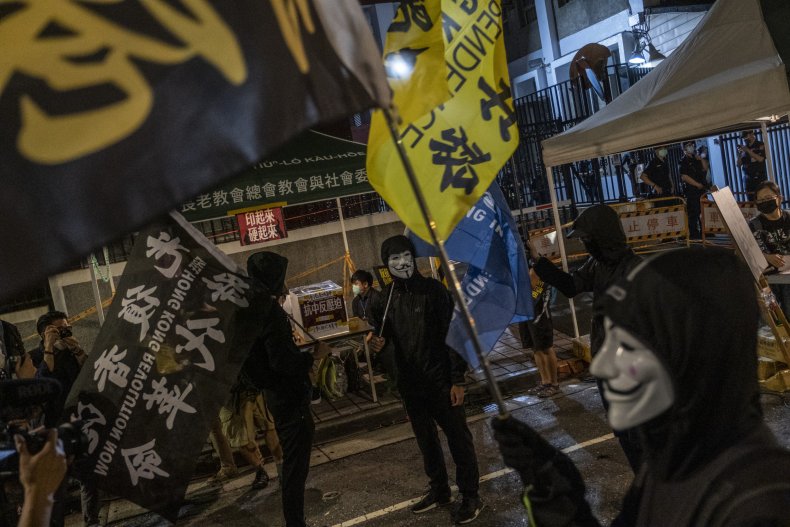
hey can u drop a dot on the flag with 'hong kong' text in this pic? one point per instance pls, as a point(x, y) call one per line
point(182, 323)
point(457, 119)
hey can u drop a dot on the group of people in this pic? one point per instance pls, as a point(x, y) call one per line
point(695, 175)
point(673, 339)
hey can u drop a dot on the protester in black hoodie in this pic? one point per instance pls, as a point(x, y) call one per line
point(414, 313)
point(276, 366)
point(611, 258)
point(679, 363)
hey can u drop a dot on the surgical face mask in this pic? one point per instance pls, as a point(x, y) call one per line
point(355, 289)
point(768, 206)
point(636, 384)
point(401, 265)
point(662, 153)
point(690, 149)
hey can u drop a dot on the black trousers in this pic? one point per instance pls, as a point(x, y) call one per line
point(426, 410)
point(694, 210)
point(295, 428)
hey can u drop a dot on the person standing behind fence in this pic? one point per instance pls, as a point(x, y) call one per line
point(692, 173)
point(656, 175)
point(752, 162)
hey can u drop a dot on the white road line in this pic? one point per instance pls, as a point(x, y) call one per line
point(488, 477)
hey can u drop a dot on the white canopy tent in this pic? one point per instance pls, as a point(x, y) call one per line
point(726, 75)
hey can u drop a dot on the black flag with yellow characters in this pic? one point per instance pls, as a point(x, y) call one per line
point(112, 113)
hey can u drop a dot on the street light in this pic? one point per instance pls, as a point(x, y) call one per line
point(637, 58)
point(654, 56)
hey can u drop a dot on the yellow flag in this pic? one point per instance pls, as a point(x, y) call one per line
point(458, 144)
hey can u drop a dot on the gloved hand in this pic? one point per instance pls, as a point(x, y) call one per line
point(523, 449)
point(554, 489)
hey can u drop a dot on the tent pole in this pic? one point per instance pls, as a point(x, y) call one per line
point(768, 162)
point(449, 269)
point(560, 240)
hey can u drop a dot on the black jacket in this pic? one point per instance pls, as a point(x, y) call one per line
point(610, 259)
point(361, 305)
point(416, 326)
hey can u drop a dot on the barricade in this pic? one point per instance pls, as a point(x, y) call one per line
point(643, 221)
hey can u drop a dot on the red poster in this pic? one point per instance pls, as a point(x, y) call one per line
point(261, 226)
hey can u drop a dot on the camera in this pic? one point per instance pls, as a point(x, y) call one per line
point(65, 332)
point(70, 434)
point(22, 400)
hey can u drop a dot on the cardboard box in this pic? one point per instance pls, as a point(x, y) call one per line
point(320, 308)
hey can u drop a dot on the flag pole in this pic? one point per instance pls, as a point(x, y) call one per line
point(455, 286)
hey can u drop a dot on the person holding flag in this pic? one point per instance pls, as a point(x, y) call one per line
point(414, 320)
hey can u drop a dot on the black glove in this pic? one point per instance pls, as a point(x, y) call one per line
point(553, 486)
point(523, 449)
point(556, 277)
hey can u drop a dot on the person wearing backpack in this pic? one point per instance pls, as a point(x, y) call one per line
point(277, 366)
point(679, 366)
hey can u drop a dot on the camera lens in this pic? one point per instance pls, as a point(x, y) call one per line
point(65, 332)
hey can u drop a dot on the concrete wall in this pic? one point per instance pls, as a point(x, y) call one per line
point(579, 14)
point(306, 250)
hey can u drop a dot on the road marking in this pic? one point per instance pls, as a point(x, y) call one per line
point(488, 477)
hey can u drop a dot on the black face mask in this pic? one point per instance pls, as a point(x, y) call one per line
point(592, 248)
point(767, 207)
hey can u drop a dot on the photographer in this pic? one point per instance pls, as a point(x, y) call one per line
point(40, 475)
point(59, 356)
point(11, 349)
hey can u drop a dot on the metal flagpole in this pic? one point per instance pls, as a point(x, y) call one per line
point(455, 286)
point(342, 224)
point(561, 240)
point(95, 287)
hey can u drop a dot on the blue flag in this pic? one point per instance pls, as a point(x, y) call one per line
point(496, 284)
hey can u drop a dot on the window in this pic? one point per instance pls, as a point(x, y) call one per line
point(561, 3)
point(527, 12)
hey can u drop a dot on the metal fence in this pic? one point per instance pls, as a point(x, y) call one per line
point(779, 142)
point(551, 111)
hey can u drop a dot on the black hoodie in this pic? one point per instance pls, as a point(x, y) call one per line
point(610, 258)
point(275, 364)
point(696, 309)
point(416, 324)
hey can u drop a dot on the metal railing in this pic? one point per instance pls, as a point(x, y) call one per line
point(779, 142)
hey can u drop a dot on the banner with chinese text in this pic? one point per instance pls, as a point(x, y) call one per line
point(312, 167)
point(112, 113)
point(260, 226)
point(182, 322)
point(456, 147)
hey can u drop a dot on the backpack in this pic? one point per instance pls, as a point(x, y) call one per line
point(332, 378)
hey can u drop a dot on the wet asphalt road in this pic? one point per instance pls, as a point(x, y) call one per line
point(379, 482)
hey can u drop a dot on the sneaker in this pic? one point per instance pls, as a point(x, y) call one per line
point(535, 390)
point(468, 510)
point(261, 479)
point(224, 474)
point(315, 398)
point(431, 501)
point(548, 391)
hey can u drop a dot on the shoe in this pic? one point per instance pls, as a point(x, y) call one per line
point(315, 398)
point(468, 510)
point(535, 390)
point(430, 501)
point(261, 479)
point(224, 474)
point(549, 390)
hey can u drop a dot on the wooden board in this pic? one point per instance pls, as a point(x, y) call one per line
point(739, 231)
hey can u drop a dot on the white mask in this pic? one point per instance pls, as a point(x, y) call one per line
point(355, 289)
point(636, 384)
point(401, 265)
